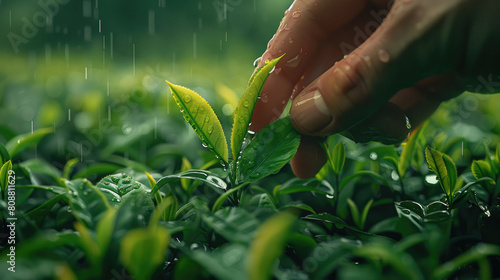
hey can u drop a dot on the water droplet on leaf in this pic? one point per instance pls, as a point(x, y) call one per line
point(187, 98)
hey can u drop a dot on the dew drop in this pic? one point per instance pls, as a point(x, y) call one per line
point(293, 62)
point(277, 71)
point(383, 55)
point(245, 103)
point(329, 196)
point(290, 40)
point(264, 98)
point(431, 179)
point(187, 98)
point(256, 61)
point(373, 156)
point(182, 110)
point(69, 209)
point(394, 176)
point(210, 129)
point(207, 119)
point(204, 145)
point(296, 14)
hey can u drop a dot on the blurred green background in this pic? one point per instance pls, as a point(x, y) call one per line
point(95, 70)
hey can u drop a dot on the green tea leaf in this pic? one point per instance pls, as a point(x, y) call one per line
point(408, 151)
point(225, 263)
point(21, 142)
point(39, 213)
point(68, 168)
point(4, 175)
point(207, 177)
point(105, 228)
point(480, 169)
point(338, 157)
point(268, 245)
point(354, 212)
point(444, 167)
point(202, 118)
point(186, 165)
point(4, 155)
point(218, 203)
point(246, 105)
point(272, 147)
point(143, 250)
point(364, 215)
point(378, 179)
point(234, 224)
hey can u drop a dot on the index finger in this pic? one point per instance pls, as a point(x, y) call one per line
point(304, 27)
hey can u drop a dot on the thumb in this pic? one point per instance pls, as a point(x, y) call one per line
point(407, 47)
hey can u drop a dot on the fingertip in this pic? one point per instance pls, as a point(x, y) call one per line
point(309, 158)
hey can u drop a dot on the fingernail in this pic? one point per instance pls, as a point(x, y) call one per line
point(309, 112)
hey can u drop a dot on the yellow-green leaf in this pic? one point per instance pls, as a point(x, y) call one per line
point(143, 250)
point(198, 113)
point(244, 110)
point(480, 169)
point(186, 165)
point(338, 157)
point(105, 228)
point(4, 174)
point(268, 245)
point(444, 167)
point(408, 151)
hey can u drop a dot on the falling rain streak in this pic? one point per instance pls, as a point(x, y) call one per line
point(194, 45)
point(85, 73)
point(69, 114)
point(99, 26)
point(156, 127)
point(109, 113)
point(103, 52)
point(133, 59)
point(31, 127)
point(66, 55)
point(111, 44)
point(107, 87)
point(151, 22)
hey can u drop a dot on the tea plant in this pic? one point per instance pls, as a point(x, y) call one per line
point(373, 211)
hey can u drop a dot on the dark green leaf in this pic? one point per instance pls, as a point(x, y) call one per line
point(226, 263)
point(21, 142)
point(234, 224)
point(4, 155)
point(39, 213)
point(272, 147)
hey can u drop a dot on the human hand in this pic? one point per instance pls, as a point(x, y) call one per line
point(424, 52)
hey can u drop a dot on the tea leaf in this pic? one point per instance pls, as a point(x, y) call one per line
point(480, 169)
point(143, 250)
point(408, 151)
point(105, 228)
point(4, 155)
point(38, 214)
point(21, 142)
point(4, 175)
point(198, 113)
point(444, 167)
point(338, 157)
point(272, 147)
point(268, 245)
point(244, 110)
